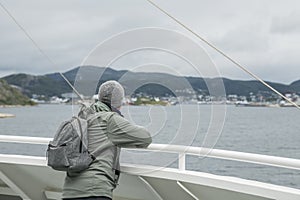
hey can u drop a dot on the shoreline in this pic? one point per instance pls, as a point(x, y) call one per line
point(14, 106)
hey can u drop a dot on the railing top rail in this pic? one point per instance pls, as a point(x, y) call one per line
point(288, 163)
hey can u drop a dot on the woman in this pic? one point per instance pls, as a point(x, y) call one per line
point(108, 133)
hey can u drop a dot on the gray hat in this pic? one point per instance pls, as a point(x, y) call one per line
point(111, 92)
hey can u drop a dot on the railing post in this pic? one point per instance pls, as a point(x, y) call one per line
point(181, 161)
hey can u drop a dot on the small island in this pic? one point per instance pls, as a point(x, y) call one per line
point(148, 101)
point(5, 115)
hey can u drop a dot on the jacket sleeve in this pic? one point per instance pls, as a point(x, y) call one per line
point(124, 134)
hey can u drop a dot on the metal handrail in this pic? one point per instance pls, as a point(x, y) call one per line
point(182, 151)
point(24, 139)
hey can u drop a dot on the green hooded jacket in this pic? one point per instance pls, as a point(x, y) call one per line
point(109, 132)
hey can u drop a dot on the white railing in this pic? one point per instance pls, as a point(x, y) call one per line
point(182, 151)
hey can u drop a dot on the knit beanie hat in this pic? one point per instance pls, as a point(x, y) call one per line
point(112, 93)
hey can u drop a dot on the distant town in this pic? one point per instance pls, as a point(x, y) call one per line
point(263, 99)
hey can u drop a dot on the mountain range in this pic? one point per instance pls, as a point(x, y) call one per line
point(87, 81)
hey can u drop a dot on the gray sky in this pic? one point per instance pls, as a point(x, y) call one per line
point(263, 35)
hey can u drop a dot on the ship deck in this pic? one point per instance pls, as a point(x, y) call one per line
point(29, 177)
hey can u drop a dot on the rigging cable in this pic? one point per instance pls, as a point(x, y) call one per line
point(223, 54)
point(39, 49)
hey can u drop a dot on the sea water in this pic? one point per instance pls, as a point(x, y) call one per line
point(261, 130)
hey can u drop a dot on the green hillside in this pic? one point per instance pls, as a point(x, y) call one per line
point(42, 85)
point(12, 96)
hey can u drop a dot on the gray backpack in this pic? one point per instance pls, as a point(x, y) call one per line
point(68, 150)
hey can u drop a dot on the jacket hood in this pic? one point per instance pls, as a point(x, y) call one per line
point(100, 107)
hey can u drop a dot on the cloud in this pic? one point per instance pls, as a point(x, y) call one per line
point(65, 31)
point(288, 24)
point(261, 34)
